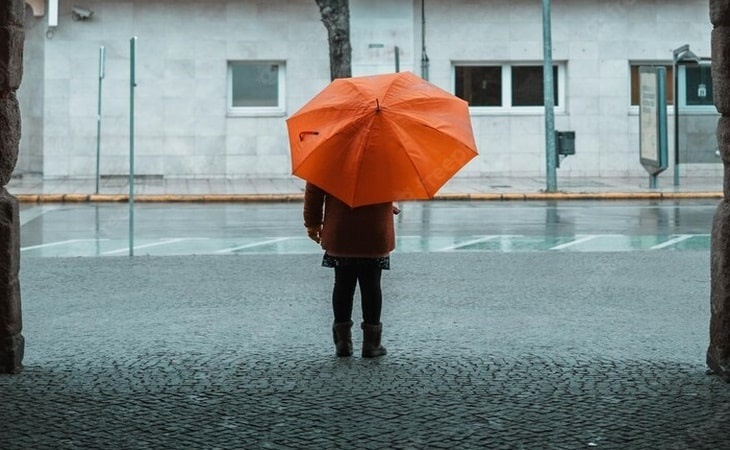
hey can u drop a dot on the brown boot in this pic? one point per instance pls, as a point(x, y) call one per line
point(342, 335)
point(371, 347)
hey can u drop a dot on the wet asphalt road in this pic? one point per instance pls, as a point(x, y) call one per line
point(48, 223)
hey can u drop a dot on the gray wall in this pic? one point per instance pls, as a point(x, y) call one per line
point(183, 129)
point(697, 141)
point(30, 95)
point(182, 124)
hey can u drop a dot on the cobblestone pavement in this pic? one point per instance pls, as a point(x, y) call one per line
point(513, 351)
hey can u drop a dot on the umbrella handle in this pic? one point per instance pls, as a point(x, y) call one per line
point(301, 135)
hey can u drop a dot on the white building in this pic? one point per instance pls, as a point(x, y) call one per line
point(216, 80)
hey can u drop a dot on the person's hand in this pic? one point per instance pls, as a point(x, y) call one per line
point(396, 210)
point(314, 233)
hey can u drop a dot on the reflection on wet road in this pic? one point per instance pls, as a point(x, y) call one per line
point(209, 228)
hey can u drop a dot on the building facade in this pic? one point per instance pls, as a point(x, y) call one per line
point(216, 79)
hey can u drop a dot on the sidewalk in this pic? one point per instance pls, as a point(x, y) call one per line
point(36, 189)
point(486, 351)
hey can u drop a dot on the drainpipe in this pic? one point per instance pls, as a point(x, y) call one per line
point(52, 18)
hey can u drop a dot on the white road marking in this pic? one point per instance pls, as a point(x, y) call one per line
point(212, 247)
point(254, 244)
point(54, 244)
point(154, 244)
point(575, 242)
point(26, 215)
point(469, 242)
point(671, 242)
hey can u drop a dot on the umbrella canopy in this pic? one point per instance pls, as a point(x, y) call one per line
point(381, 138)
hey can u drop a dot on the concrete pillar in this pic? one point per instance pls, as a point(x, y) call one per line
point(12, 14)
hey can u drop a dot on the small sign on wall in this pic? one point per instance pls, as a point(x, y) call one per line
point(653, 119)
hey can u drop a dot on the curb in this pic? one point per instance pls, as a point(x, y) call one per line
point(544, 196)
point(279, 198)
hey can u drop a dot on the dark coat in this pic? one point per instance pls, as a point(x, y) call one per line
point(364, 232)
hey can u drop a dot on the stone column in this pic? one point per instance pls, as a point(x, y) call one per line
point(12, 16)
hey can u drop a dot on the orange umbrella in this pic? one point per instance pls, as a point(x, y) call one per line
point(381, 138)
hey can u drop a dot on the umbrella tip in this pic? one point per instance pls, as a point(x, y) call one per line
point(377, 105)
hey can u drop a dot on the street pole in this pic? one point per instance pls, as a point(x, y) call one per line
point(98, 118)
point(675, 75)
point(681, 56)
point(132, 85)
point(550, 151)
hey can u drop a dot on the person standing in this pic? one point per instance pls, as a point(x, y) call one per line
point(357, 244)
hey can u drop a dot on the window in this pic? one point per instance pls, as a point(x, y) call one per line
point(479, 85)
point(528, 87)
point(255, 88)
point(506, 87)
point(695, 86)
point(635, 83)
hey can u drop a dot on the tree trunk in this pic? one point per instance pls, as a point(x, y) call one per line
point(336, 18)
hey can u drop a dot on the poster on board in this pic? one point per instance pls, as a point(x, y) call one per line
point(653, 119)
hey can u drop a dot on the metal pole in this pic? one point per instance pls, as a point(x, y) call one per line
point(397, 59)
point(676, 122)
point(680, 57)
point(652, 181)
point(98, 118)
point(132, 85)
point(424, 57)
point(97, 218)
point(550, 151)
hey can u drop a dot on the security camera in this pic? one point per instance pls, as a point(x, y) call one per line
point(80, 13)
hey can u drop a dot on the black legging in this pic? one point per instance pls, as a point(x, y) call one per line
point(346, 278)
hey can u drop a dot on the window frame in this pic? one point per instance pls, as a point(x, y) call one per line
point(507, 107)
point(634, 108)
point(257, 111)
point(682, 94)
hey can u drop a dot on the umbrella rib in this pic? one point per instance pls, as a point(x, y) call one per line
point(359, 158)
point(333, 134)
point(425, 123)
point(404, 150)
point(420, 180)
point(332, 109)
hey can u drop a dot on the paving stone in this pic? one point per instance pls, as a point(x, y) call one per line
point(187, 363)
